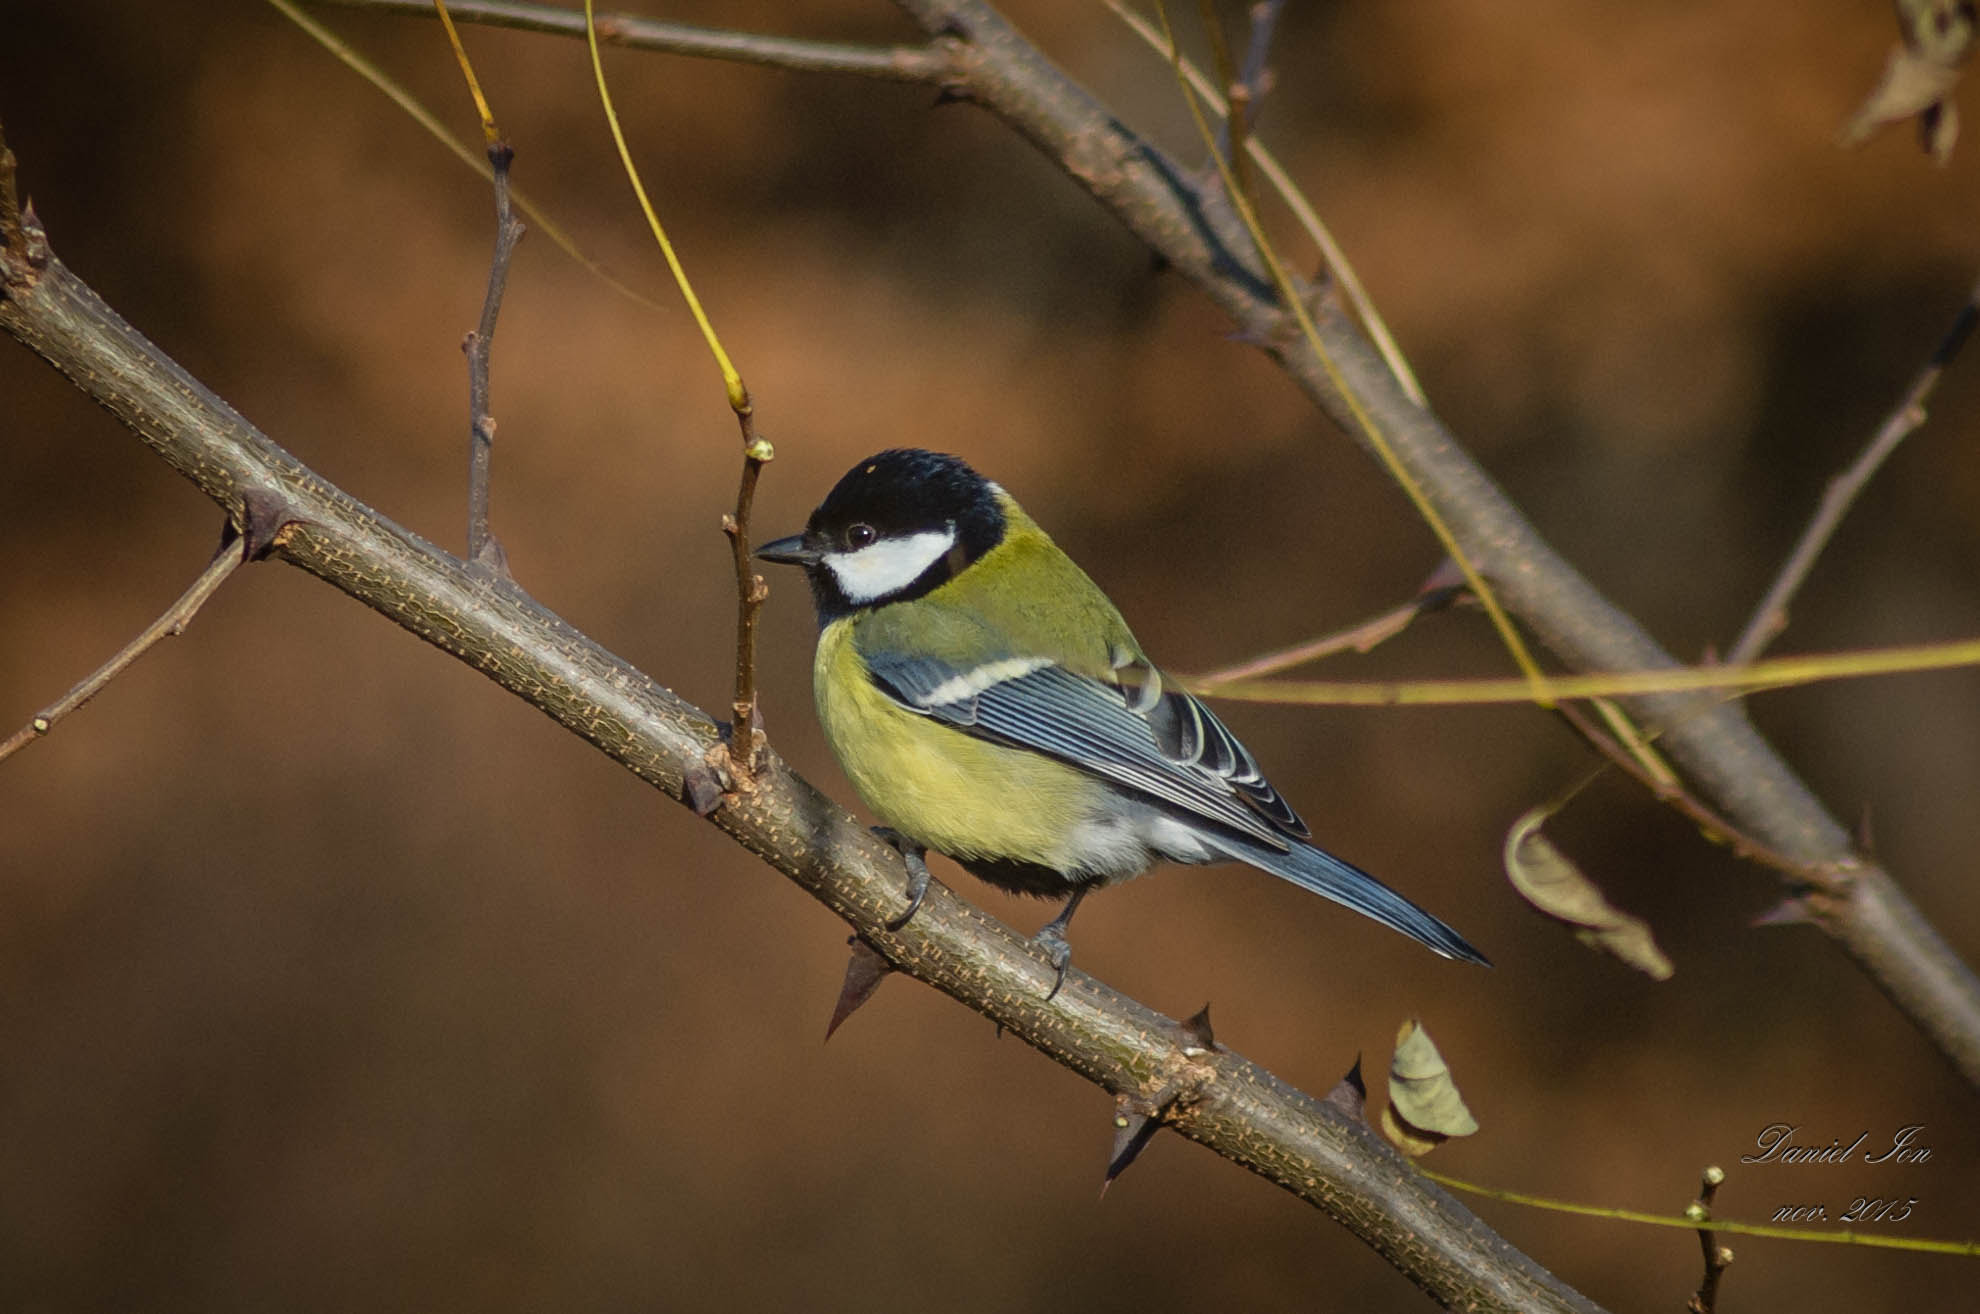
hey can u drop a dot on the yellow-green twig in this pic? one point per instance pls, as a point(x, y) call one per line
point(1846, 1237)
point(731, 380)
point(467, 71)
point(1774, 673)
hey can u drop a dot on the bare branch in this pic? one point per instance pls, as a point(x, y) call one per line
point(233, 551)
point(1444, 587)
point(1771, 616)
point(1255, 74)
point(1717, 1257)
point(1247, 89)
point(1230, 92)
point(746, 727)
point(1313, 1149)
point(928, 64)
point(483, 550)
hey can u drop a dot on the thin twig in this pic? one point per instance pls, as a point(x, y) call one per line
point(1923, 1245)
point(1361, 638)
point(1771, 616)
point(483, 550)
point(1255, 74)
point(746, 728)
point(1647, 682)
point(1717, 1257)
point(489, 132)
point(1228, 91)
point(929, 63)
point(233, 551)
point(1444, 586)
point(1248, 89)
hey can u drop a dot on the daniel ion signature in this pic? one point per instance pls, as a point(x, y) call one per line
point(1785, 1143)
point(1774, 1146)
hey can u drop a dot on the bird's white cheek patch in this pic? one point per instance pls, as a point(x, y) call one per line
point(889, 565)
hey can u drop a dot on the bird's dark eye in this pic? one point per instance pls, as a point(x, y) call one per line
point(859, 536)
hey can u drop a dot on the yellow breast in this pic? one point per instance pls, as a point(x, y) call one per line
point(954, 793)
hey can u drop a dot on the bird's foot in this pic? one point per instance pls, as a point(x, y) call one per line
point(917, 872)
point(1052, 939)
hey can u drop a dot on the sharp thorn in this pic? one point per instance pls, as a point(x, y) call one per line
point(1442, 585)
point(701, 789)
point(493, 560)
point(1791, 911)
point(1197, 1028)
point(864, 973)
point(1350, 1093)
point(1133, 1129)
point(268, 522)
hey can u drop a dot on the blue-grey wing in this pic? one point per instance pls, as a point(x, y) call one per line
point(1160, 743)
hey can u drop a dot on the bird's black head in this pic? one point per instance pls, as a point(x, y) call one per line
point(898, 525)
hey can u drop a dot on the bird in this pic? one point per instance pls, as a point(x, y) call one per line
point(989, 703)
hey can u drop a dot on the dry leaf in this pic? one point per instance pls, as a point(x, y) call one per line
point(1546, 878)
point(1942, 30)
point(1920, 76)
point(1425, 1108)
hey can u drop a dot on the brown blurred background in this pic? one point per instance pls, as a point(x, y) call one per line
point(333, 978)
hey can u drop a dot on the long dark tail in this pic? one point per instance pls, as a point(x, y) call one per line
point(1326, 875)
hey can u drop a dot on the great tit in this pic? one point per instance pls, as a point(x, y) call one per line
point(988, 702)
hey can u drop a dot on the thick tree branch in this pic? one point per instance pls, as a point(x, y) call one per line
point(1310, 1147)
point(1713, 742)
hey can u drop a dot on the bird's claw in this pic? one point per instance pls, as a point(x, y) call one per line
point(912, 854)
point(1052, 939)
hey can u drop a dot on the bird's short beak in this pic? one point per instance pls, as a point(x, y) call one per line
point(789, 552)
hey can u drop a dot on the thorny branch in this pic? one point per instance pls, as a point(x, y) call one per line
point(976, 54)
point(1312, 1149)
